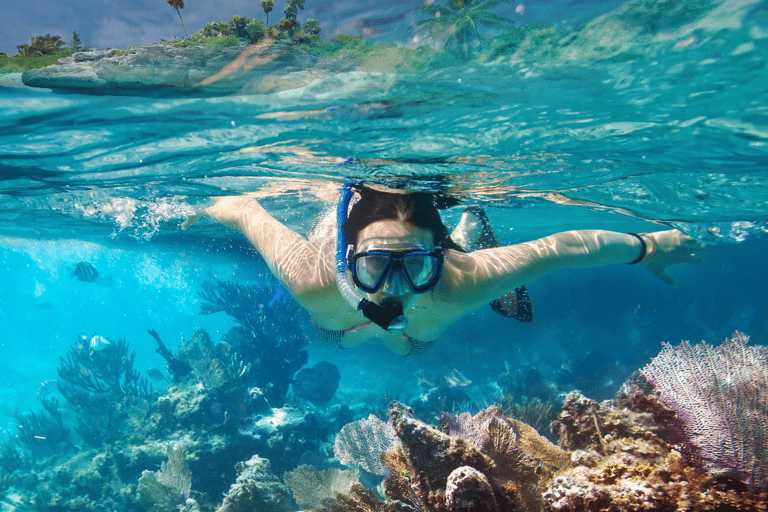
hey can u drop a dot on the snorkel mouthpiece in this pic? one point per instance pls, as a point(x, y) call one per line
point(390, 316)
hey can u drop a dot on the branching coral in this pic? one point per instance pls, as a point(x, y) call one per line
point(165, 490)
point(12, 457)
point(268, 338)
point(42, 429)
point(177, 368)
point(309, 486)
point(94, 375)
point(211, 363)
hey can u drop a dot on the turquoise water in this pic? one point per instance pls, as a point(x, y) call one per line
point(623, 130)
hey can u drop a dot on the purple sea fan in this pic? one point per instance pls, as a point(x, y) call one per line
point(721, 397)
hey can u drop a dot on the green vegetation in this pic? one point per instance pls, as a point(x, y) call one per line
point(75, 43)
point(457, 23)
point(41, 45)
point(655, 15)
point(21, 63)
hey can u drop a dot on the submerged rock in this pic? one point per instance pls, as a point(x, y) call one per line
point(317, 384)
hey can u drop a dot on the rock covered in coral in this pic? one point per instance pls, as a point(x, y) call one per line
point(621, 463)
point(585, 424)
point(256, 488)
point(196, 405)
point(318, 383)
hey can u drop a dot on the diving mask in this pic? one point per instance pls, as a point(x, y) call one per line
point(371, 269)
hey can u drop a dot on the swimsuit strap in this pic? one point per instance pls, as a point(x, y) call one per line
point(327, 336)
point(333, 338)
point(417, 346)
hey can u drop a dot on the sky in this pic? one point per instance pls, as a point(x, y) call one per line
point(108, 24)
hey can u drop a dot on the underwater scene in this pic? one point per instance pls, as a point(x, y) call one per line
point(155, 365)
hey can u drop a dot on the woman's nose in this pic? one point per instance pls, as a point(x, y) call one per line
point(395, 285)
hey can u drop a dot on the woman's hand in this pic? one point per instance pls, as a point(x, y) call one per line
point(227, 210)
point(672, 248)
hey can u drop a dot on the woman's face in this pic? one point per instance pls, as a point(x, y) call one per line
point(395, 234)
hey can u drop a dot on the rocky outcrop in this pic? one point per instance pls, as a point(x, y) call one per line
point(240, 68)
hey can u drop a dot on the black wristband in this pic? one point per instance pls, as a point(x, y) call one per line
point(643, 252)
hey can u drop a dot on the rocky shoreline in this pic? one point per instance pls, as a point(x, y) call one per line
point(164, 66)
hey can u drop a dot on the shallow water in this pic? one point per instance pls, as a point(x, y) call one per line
point(614, 130)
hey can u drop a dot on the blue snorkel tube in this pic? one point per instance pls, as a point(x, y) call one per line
point(389, 317)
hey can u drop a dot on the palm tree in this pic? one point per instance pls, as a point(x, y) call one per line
point(179, 4)
point(458, 22)
point(267, 5)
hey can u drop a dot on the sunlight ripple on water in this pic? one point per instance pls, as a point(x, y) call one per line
point(669, 127)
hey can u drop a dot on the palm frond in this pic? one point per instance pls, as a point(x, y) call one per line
point(493, 20)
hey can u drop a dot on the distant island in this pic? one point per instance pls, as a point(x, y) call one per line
point(245, 55)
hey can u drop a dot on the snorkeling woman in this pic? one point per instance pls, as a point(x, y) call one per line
point(387, 267)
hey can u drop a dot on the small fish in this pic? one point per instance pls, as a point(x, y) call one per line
point(99, 343)
point(155, 375)
point(455, 379)
point(85, 272)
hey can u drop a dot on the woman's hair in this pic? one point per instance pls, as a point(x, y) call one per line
point(415, 208)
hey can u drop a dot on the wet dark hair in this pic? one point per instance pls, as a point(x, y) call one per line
point(416, 208)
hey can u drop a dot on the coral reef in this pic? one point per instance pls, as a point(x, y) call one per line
point(615, 459)
point(213, 441)
point(483, 462)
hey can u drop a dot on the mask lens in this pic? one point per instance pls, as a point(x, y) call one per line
point(421, 268)
point(370, 268)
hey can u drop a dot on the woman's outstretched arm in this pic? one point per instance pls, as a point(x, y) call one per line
point(301, 266)
point(478, 277)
